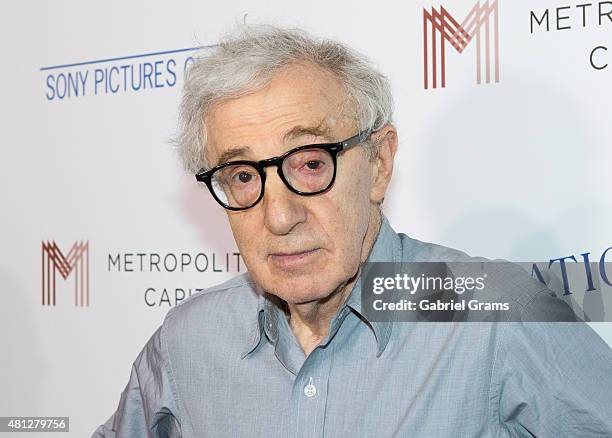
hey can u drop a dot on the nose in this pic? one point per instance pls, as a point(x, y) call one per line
point(283, 209)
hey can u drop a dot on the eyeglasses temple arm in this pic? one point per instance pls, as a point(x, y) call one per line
point(359, 138)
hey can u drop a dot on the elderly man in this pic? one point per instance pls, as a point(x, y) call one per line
point(293, 137)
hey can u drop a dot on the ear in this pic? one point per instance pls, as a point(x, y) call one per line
point(385, 142)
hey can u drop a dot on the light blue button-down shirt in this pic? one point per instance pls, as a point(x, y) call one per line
point(225, 363)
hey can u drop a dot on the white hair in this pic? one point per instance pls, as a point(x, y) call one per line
point(247, 60)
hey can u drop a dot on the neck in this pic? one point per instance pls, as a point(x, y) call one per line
point(310, 321)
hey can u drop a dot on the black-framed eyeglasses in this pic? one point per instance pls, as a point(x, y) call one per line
point(306, 170)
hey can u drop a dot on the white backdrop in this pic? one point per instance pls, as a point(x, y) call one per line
point(518, 169)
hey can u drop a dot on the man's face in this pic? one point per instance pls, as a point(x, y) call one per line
point(300, 248)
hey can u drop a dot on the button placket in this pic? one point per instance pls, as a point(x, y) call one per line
point(310, 394)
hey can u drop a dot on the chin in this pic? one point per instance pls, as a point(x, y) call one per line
point(307, 297)
point(300, 290)
point(303, 282)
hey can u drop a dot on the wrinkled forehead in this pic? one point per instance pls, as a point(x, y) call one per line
point(301, 104)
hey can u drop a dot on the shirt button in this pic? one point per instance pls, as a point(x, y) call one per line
point(310, 390)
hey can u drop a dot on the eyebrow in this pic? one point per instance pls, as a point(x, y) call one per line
point(232, 153)
point(321, 130)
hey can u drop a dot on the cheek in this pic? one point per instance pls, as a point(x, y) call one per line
point(353, 193)
point(351, 211)
point(248, 242)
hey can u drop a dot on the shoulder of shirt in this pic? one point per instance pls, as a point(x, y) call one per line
point(415, 250)
point(213, 313)
point(238, 291)
point(212, 310)
point(509, 280)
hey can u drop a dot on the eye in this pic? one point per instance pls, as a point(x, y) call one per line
point(314, 164)
point(244, 177)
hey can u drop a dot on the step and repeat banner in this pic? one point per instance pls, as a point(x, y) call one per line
point(503, 110)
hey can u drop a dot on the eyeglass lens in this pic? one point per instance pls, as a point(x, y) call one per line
point(306, 171)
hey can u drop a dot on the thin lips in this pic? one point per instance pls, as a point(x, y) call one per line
point(280, 254)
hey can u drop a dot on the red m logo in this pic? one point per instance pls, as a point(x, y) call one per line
point(445, 28)
point(54, 261)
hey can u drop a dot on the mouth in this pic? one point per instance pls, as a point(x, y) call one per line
point(294, 259)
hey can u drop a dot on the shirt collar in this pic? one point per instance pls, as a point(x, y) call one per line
point(386, 248)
